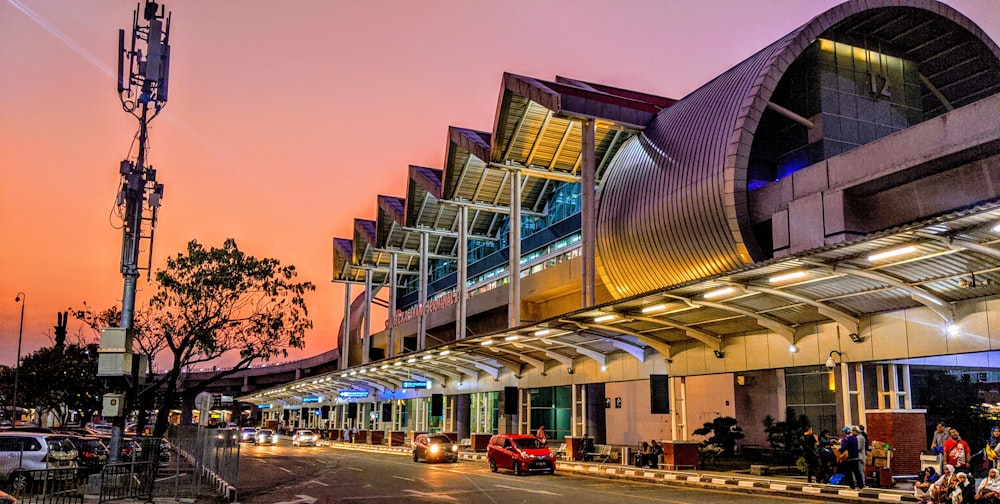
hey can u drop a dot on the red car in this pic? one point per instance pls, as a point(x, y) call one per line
point(522, 453)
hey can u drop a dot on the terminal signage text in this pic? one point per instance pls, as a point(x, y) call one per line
point(353, 394)
point(401, 317)
point(417, 384)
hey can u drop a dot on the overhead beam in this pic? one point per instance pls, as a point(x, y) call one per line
point(710, 340)
point(487, 207)
point(779, 327)
point(655, 343)
point(537, 172)
point(846, 320)
point(444, 232)
point(939, 306)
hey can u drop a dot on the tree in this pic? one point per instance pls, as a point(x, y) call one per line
point(958, 402)
point(61, 381)
point(785, 437)
point(219, 301)
point(723, 433)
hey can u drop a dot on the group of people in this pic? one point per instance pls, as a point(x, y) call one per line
point(649, 454)
point(836, 460)
point(955, 483)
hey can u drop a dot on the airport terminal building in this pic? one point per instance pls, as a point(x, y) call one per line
point(818, 228)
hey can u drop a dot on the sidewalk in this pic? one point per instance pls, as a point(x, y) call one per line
point(775, 485)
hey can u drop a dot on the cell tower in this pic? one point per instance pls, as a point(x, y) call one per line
point(142, 86)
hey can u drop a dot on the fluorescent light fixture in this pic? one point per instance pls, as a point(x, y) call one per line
point(654, 308)
point(793, 349)
point(543, 332)
point(385, 366)
point(444, 352)
point(411, 360)
point(428, 357)
point(784, 277)
point(353, 373)
point(604, 368)
point(996, 228)
point(719, 292)
point(512, 337)
point(397, 363)
point(892, 253)
point(952, 330)
point(487, 342)
point(362, 371)
point(605, 318)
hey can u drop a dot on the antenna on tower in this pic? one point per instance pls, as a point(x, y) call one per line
point(143, 69)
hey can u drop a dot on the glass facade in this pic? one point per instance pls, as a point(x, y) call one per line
point(854, 95)
point(810, 391)
point(485, 412)
point(553, 408)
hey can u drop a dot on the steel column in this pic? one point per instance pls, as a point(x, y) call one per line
point(588, 216)
point(462, 274)
point(514, 284)
point(393, 265)
point(345, 343)
point(366, 345)
point(422, 292)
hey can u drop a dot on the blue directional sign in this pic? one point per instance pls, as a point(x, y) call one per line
point(263, 406)
point(416, 384)
point(311, 399)
point(353, 394)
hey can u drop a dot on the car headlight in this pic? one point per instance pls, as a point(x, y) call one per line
point(454, 447)
point(434, 448)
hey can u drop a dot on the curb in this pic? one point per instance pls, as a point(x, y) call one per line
point(721, 481)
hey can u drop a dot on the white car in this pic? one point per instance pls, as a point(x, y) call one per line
point(304, 438)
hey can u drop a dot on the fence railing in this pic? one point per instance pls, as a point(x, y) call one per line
point(215, 454)
point(128, 480)
point(46, 486)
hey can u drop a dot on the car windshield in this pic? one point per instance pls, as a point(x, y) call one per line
point(60, 444)
point(440, 439)
point(248, 429)
point(528, 443)
point(306, 433)
point(265, 432)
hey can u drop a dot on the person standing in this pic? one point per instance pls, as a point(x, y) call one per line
point(809, 444)
point(956, 452)
point(940, 436)
point(853, 476)
point(992, 449)
point(541, 434)
point(858, 432)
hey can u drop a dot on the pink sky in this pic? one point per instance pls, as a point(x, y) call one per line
point(286, 119)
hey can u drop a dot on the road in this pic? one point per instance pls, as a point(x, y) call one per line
point(319, 475)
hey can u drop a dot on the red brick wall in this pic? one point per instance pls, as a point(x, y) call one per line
point(905, 432)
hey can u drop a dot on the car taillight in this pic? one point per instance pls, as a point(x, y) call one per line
point(126, 451)
point(88, 454)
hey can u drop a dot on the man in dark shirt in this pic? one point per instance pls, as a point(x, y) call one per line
point(853, 477)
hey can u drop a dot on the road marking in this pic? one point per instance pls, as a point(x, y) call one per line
point(543, 492)
point(405, 479)
point(318, 482)
point(302, 499)
point(289, 471)
point(431, 495)
point(356, 469)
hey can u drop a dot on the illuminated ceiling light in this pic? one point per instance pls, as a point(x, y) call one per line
point(444, 352)
point(784, 277)
point(952, 330)
point(411, 360)
point(512, 337)
point(362, 371)
point(543, 332)
point(385, 366)
point(996, 228)
point(397, 363)
point(487, 342)
point(604, 368)
point(428, 357)
point(892, 253)
point(605, 318)
point(793, 349)
point(719, 292)
point(353, 373)
point(654, 308)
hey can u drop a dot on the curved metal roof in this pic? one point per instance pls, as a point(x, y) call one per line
point(673, 207)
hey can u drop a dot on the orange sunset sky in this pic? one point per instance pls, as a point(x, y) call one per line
point(287, 118)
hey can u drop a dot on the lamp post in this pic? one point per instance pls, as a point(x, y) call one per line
point(17, 365)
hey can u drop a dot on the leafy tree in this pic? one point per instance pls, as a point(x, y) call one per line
point(61, 381)
point(723, 433)
point(957, 401)
point(215, 302)
point(785, 437)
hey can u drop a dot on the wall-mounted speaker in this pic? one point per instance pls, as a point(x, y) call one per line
point(437, 404)
point(352, 410)
point(510, 400)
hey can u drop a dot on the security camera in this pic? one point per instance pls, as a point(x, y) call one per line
point(830, 364)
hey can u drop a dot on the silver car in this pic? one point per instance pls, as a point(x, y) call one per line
point(23, 455)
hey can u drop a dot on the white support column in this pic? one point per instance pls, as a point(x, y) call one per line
point(588, 215)
point(907, 401)
point(893, 387)
point(345, 344)
point(463, 272)
point(845, 392)
point(393, 265)
point(574, 413)
point(514, 303)
point(422, 292)
point(859, 375)
point(678, 404)
point(366, 344)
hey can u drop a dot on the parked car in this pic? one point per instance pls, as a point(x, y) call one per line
point(522, 453)
point(23, 452)
point(434, 448)
point(248, 435)
point(129, 448)
point(304, 438)
point(266, 436)
point(92, 454)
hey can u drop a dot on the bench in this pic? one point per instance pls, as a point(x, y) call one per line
point(561, 451)
point(601, 452)
point(465, 444)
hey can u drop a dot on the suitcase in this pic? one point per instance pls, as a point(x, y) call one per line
point(880, 478)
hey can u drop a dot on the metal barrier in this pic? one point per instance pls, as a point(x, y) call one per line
point(215, 454)
point(46, 486)
point(128, 480)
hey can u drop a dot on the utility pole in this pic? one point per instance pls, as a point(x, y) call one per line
point(143, 69)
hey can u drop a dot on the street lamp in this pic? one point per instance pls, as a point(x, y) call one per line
point(17, 365)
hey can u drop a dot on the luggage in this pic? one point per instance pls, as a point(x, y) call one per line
point(881, 478)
